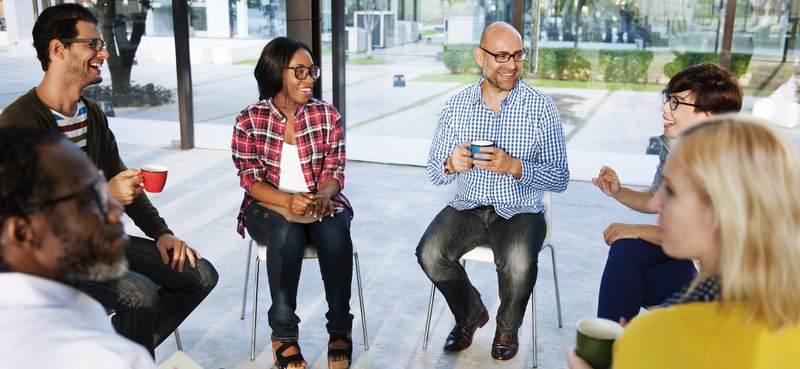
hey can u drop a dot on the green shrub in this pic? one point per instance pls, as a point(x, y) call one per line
point(628, 66)
point(137, 96)
point(459, 58)
point(739, 62)
point(563, 64)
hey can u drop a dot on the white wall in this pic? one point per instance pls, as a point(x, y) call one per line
point(19, 23)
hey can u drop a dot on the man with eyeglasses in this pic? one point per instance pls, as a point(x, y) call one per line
point(58, 228)
point(161, 289)
point(499, 190)
point(637, 273)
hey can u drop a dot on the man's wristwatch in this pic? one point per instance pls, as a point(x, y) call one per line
point(444, 166)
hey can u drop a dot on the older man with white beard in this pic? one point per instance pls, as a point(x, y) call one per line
point(58, 227)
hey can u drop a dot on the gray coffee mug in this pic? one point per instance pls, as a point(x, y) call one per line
point(595, 338)
point(475, 147)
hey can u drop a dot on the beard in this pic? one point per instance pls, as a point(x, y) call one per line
point(89, 259)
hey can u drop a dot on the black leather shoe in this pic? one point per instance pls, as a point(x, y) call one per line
point(504, 346)
point(461, 337)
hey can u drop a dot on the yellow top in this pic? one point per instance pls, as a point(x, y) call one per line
point(704, 335)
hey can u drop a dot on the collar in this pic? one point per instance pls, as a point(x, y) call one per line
point(477, 97)
point(667, 142)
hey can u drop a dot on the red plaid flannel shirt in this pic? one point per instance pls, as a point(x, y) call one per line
point(258, 140)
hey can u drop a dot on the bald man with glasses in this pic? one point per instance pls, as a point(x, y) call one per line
point(167, 279)
point(499, 189)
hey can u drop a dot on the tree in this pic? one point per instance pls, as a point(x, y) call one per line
point(122, 46)
point(371, 19)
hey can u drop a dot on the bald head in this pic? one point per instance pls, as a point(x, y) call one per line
point(499, 30)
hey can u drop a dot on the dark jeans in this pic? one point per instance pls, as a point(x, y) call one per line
point(515, 242)
point(639, 274)
point(151, 300)
point(285, 244)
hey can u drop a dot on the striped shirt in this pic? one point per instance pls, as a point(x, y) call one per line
point(527, 127)
point(257, 145)
point(75, 128)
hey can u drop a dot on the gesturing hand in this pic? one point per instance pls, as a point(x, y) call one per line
point(607, 181)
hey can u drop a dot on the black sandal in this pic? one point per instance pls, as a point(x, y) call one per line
point(282, 362)
point(334, 352)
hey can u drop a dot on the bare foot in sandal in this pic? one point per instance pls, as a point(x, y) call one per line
point(340, 351)
point(287, 355)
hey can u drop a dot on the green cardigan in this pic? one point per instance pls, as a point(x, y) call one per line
point(101, 147)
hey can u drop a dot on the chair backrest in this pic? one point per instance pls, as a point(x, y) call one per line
point(548, 216)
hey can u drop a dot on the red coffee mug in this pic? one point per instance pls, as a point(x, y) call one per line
point(154, 176)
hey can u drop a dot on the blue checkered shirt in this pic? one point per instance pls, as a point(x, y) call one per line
point(527, 128)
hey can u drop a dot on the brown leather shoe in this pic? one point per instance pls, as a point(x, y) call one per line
point(461, 337)
point(504, 346)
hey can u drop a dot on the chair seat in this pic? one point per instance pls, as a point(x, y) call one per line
point(481, 253)
point(310, 252)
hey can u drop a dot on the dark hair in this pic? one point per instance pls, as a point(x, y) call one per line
point(277, 55)
point(23, 182)
point(55, 23)
point(714, 88)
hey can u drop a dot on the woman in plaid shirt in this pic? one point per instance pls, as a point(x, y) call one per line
point(290, 154)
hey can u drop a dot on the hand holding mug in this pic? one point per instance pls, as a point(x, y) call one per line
point(461, 158)
point(125, 186)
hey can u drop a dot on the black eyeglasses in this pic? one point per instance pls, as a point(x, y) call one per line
point(302, 72)
point(503, 57)
point(98, 190)
point(674, 102)
point(96, 43)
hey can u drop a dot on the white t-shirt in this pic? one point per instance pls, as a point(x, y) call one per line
point(291, 179)
point(47, 324)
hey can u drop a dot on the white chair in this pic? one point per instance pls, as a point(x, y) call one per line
point(484, 253)
point(309, 253)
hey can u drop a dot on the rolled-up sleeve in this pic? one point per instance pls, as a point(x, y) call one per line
point(335, 160)
point(245, 150)
point(441, 146)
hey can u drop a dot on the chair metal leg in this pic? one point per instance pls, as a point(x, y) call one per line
point(555, 281)
point(246, 277)
point(533, 327)
point(428, 321)
point(255, 313)
point(361, 302)
point(178, 340)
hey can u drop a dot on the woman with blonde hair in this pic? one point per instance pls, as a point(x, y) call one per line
point(729, 200)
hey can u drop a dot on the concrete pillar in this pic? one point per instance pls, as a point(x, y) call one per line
point(218, 19)
point(303, 23)
point(242, 28)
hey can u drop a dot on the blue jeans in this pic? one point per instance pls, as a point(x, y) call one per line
point(151, 300)
point(285, 244)
point(639, 274)
point(515, 242)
